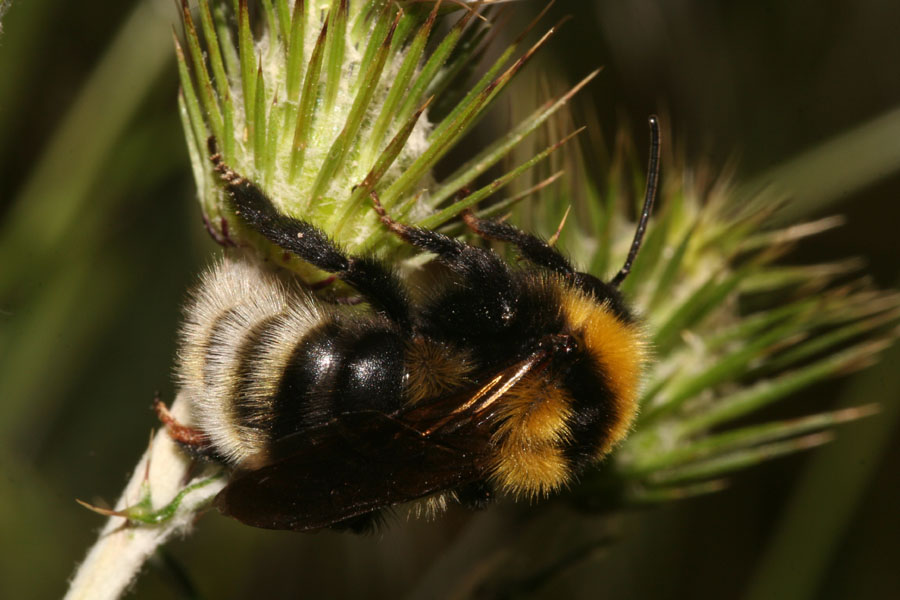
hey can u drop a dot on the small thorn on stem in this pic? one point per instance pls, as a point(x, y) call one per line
point(106, 512)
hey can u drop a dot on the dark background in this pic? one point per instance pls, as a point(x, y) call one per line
point(100, 237)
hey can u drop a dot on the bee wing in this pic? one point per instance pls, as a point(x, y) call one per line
point(362, 461)
point(358, 463)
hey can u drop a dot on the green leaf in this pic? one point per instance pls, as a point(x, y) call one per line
point(733, 461)
point(248, 64)
point(389, 110)
point(337, 154)
point(440, 144)
point(307, 111)
point(454, 209)
point(672, 493)
point(431, 67)
point(723, 368)
point(296, 49)
point(284, 22)
point(207, 95)
point(360, 195)
point(271, 25)
point(259, 129)
point(696, 306)
point(383, 25)
point(337, 30)
point(672, 269)
point(739, 439)
point(748, 400)
point(190, 96)
point(494, 152)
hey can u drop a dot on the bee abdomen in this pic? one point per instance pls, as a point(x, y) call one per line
point(261, 362)
point(241, 329)
point(341, 367)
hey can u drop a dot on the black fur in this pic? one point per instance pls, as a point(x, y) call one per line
point(531, 247)
point(592, 408)
point(499, 319)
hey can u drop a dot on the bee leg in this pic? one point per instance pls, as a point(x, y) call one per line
point(457, 255)
point(490, 298)
point(531, 247)
point(372, 279)
point(191, 439)
point(540, 253)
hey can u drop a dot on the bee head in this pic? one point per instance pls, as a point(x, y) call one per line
point(605, 375)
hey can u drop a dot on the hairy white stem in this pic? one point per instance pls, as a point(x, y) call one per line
point(122, 547)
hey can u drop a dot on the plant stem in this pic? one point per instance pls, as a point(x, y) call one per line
point(122, 548)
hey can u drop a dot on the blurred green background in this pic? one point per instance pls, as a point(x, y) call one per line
point(100, 237)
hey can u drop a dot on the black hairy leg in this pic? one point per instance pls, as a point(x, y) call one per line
point(531, 247)
point(473, 263)
point(372, 279)
point(487, 297)
point(540, 253)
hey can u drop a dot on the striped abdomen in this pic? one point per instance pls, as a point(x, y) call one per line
point(260, 360)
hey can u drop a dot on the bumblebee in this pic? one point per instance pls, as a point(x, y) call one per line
point(505, 379)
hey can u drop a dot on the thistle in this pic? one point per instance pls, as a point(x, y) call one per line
point(327, 105)
point(323, 102)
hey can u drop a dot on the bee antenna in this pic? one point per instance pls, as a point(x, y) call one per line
point(649, 199)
